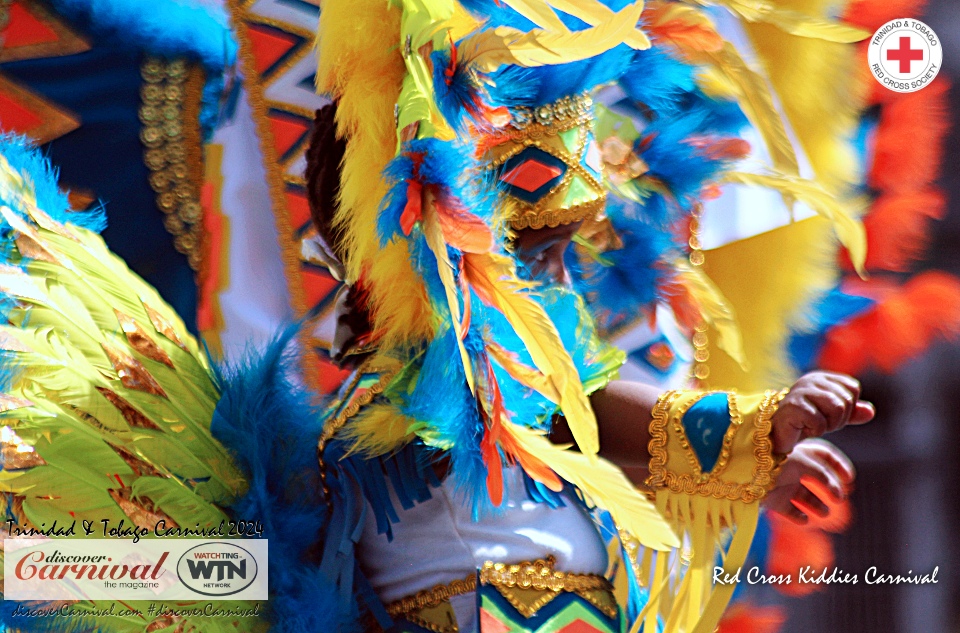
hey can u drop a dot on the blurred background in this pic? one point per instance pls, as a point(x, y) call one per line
point(907, 501)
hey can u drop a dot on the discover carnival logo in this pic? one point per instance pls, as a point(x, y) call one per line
point(102, 569)
point(905, 55)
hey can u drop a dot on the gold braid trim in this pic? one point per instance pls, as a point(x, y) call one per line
point(169, 112)
point(349, 408)
point(405, 607)
point(768, 465)
point(658, 439)
point(682, 474)
point(536, 218)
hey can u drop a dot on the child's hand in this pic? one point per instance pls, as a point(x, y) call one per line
point(818, 403)
point(812, 464)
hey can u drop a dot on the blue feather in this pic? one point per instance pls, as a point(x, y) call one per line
point(166, 27)
point(271, 428)
point(25, 158)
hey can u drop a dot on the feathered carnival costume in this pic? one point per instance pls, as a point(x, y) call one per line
point(397, 505)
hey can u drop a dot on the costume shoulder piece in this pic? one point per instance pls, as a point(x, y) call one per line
point(107, 399)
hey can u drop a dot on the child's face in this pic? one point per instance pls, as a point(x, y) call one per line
point(541, 251)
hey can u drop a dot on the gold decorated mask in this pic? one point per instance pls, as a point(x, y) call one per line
point(549, 165)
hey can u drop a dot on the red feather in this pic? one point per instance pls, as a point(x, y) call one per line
point(909, 140)
point(898, 227)
point(720, 147)
point(413, 210)
point(904, 323)
point(744, 618)
point(794, 547)
point(872, 14)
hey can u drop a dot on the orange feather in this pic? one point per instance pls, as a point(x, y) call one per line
point(909, 140)
point(793, 547)
point(898, 226)
point(685, 27)
point(744, 618)
point(907, 320)
point(461, 229)
point(872, 14)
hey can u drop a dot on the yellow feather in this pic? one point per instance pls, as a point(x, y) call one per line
point(492, 48)
point(603, 485)
point(594, 13)
point(538, 12)
point(379, 429)
point(792, 22)
point(848, 228)
point(523, 374)
point(434, 237)
point(714, 309)
point(821, 89)
point(493, 276)
point(365, 74)
point(756, 100)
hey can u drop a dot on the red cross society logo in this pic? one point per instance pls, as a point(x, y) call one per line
point(905, 55)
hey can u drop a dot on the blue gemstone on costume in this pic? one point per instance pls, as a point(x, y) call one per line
point(705, 424)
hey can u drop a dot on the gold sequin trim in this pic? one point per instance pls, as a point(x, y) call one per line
point(169, 112)
point(540, 576)
point(700, 340)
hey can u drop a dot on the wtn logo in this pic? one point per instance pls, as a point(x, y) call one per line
point(217, 569)
point(225, 569)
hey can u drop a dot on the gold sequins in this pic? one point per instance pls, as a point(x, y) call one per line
point(169, 111)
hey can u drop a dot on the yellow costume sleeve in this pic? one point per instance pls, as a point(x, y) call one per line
point(712, 501)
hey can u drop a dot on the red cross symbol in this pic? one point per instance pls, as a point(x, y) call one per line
point(905, 55)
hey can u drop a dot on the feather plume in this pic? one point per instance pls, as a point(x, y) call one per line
point(683, 26)
point(793, 22)
point(897, 228)
point(757, 102)
point(490, 49)
point(849, 230)
point(907, 320)
point(115, 397)
point(435, 240)
point(603, 485)
point(909, 141)
point(366, 81)
point(493, 279)
point(596, 13)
